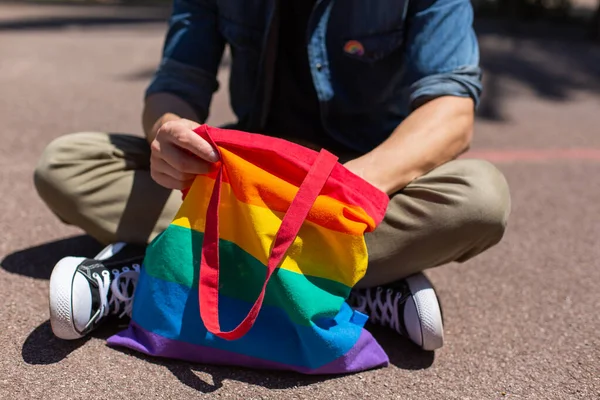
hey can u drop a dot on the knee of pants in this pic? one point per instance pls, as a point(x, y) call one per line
point(487, 199)
point(52, 174)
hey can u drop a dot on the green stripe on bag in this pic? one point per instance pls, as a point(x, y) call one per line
point(241, 276)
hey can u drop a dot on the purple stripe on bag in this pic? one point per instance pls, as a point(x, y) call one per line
point(366, 353)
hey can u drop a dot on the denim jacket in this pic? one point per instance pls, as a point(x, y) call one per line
point(372, 61)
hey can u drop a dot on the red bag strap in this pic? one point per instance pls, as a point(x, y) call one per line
point(208, 290)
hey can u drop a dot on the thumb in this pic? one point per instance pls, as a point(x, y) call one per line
point(196, 145)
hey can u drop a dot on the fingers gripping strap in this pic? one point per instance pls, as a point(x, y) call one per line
point(292, 222)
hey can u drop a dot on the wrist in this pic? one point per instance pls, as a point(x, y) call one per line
point(160, 122)
point(387, 178)
point(160, 108)
point(363, 167)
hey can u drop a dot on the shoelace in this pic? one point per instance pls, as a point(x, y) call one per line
point(119, 296)
point(382, 308)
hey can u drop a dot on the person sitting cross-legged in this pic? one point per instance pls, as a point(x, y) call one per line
point(390, 87)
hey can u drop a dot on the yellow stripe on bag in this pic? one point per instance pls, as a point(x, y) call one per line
point(317, 251)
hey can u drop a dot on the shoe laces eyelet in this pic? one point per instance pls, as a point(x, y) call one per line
point(95, 275)
point(105, 273)
point(125, 269)
point(115, 272)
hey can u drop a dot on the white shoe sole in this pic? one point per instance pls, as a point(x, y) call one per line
point(429, 312)
point(61, 298)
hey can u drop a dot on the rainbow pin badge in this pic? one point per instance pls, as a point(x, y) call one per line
point(354, 47)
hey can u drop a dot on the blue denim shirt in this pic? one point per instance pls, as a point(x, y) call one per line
point(372, 61)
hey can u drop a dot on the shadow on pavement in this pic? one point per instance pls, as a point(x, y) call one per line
point(403, 354)
point(37, 262)
point(552, 60)
point(42, 347)
point(187, 372)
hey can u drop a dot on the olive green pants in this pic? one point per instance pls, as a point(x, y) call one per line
point(101, 183)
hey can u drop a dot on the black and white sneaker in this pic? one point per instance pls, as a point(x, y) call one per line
point(409, 306)
point(84, 291)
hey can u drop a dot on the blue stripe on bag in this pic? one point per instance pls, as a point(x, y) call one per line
point(285, 343)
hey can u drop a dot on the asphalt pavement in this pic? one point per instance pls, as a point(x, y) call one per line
point(522, 320)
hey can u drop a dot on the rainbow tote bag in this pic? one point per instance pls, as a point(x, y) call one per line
point(257, 265)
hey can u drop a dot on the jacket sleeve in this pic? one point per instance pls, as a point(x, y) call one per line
point(191, 55)
point(442, 52)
